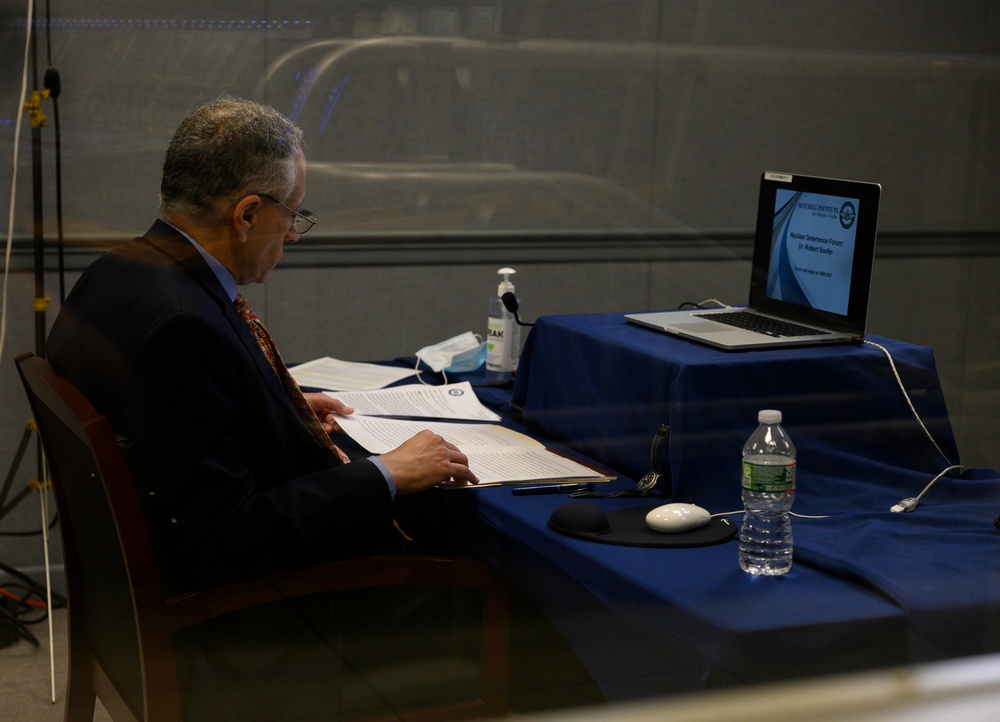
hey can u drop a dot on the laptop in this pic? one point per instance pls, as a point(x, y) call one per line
point(812, 267)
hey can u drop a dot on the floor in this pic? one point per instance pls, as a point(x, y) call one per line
point(25, 680)
point(547, 676)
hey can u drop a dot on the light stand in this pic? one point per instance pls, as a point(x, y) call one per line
point(41, 484)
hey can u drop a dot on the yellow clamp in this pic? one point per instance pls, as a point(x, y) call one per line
point(34, 108)
point(41, 305)
point(37, 485)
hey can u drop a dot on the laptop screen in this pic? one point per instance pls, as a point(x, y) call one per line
point(814, 249)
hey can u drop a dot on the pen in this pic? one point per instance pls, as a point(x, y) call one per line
point(549, 489)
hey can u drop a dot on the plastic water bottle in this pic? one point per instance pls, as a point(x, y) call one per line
point(768, 493)
point(503, 335)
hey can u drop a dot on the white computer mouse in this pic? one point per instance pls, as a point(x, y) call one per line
point(677, 517)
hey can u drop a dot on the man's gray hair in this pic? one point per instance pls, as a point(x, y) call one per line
point(227, 149)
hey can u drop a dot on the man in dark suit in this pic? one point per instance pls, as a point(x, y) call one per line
point(157, 338)
point(152, 336)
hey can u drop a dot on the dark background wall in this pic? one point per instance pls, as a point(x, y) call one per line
point(609, 150)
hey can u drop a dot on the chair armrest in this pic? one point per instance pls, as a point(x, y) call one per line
point(185, 609)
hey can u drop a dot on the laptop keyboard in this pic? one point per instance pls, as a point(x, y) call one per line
point(762, 324)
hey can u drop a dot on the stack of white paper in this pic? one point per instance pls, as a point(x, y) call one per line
point(497, 455)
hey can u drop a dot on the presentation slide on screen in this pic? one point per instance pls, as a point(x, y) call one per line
point(812, 250)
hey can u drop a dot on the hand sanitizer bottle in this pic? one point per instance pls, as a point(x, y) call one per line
point(503, 335)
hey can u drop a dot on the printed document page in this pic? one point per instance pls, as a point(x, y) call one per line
point(336, 375)
point(451, 401)
point(497, 455)
point(379, 435)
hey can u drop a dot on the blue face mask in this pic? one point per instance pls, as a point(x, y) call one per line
point(464, 352)
point(468, 360)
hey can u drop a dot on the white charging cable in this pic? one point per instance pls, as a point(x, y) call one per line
point(13, 182)
point(910, 503)
point(906, 396)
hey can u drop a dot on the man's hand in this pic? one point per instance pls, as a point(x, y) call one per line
point(427, 460)
point(325, 408)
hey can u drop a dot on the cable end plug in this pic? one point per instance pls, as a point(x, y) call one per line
point(908, 504)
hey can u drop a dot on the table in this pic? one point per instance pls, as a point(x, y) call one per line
point(650, 622)
point(868, 587)
point(603, 386)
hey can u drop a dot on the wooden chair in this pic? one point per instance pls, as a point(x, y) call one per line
point(123, 619)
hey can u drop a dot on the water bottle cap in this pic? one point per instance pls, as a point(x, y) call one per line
point(769, 416)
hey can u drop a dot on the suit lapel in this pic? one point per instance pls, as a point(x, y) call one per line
point(169, 241)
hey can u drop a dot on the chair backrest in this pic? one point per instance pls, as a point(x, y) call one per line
point(98, 509)
point(122, 615)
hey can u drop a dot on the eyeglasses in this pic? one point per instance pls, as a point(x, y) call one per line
point(304, 220)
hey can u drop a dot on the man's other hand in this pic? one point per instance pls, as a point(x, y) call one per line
point(427, 460)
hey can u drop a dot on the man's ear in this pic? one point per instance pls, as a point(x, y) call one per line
point(244, 215)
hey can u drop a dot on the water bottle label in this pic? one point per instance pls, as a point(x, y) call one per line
point(768, 478)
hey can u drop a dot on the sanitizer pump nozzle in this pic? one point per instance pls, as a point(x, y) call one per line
point(506, 284)
point(503, 335)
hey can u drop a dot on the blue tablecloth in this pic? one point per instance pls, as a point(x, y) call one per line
point(738, 627)
point(601, 386)
point(868, 587)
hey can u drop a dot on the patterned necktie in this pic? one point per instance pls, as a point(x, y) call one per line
point(266, 344)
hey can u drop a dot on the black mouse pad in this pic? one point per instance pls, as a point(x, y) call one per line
point(627, 527)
